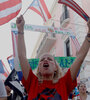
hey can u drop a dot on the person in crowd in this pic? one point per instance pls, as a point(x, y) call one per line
point(3, 94)
point(13, 95)
point(83, 93)
point(49, 83)
point(9, 94)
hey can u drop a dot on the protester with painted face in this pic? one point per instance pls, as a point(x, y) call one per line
point(49, 84)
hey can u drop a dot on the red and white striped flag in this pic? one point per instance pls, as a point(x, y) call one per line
point(77, 46)
point(75, 41)
point(40, 8)
point(3, 71)
point(15, 52)
point(10, 60)
point(73, 5)
point(9, 9)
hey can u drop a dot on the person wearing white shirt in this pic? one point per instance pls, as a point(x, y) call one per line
point(83, 92)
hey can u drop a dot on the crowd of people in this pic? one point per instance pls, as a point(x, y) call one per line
point(49, 83)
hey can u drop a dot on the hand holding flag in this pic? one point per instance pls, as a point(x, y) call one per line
point(3, 71)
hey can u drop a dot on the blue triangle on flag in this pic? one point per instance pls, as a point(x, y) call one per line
point(1, 67)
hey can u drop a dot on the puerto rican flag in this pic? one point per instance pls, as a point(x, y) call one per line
point(77, 46)
point(3, 71)
point(10, 60)
point(40, 8)
point(75, 41)
point(9, 9)
point(15, 54)
point(73, 5)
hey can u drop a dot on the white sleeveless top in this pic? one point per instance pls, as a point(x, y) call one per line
point(88, 97)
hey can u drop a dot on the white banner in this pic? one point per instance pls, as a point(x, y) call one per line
point(43, 29)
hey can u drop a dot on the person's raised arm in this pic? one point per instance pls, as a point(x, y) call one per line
point(21, 47)
point(75, 67)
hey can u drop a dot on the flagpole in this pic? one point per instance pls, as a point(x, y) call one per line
point(27, 8)
point(25, 11)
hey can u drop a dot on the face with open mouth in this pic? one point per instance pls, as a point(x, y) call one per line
point(47, 65)
point(82, 88)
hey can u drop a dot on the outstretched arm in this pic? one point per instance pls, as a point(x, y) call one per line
point(75, 67)
point(21, 47)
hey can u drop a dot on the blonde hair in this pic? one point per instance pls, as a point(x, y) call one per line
point(57, 75)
